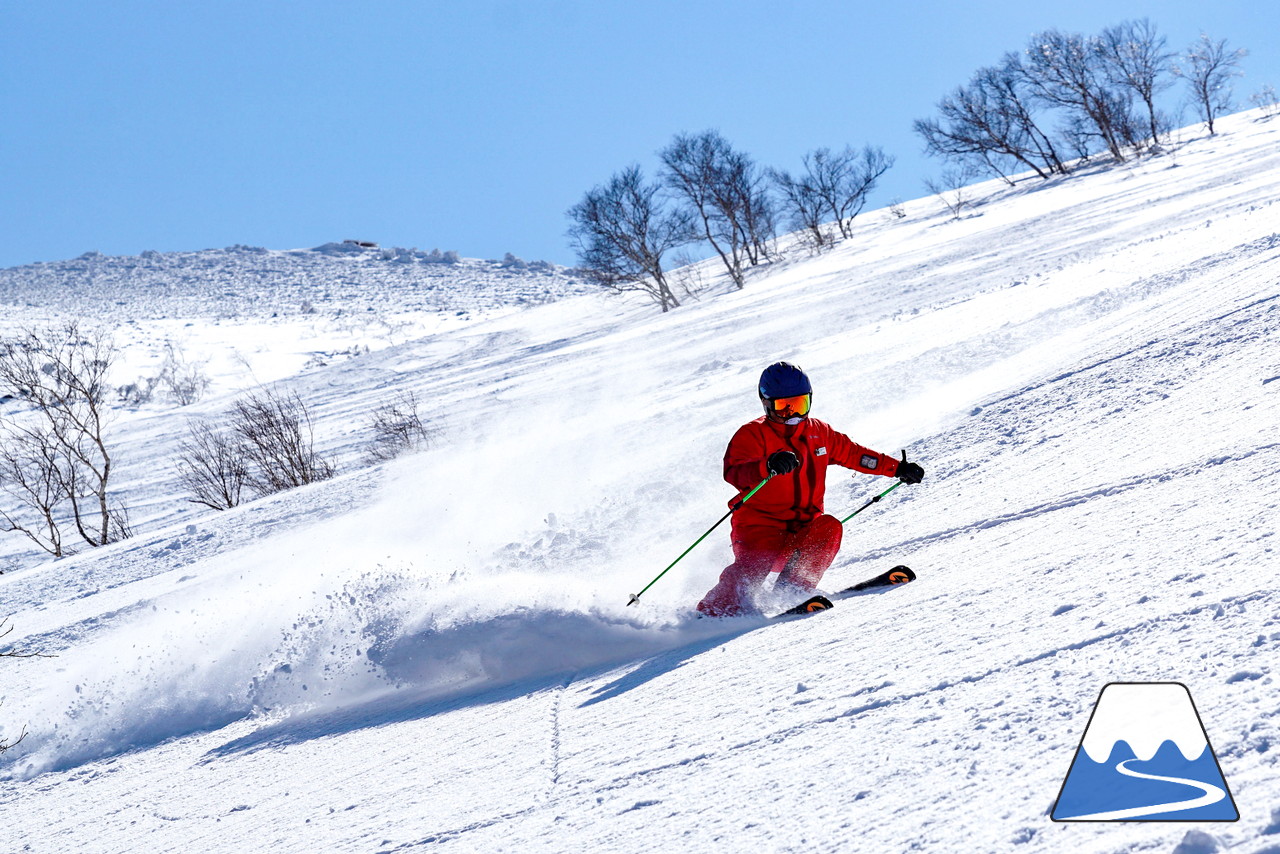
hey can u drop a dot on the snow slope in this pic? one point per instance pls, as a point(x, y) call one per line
point(437, 652)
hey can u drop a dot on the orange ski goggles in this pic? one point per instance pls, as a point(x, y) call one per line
point(799, 405)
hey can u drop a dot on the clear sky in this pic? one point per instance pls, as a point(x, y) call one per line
point(471, 126)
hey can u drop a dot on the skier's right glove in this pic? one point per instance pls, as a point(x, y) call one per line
point(783, 462)
point(908, 473)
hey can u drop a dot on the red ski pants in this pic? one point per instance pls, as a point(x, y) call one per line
point(800, 558)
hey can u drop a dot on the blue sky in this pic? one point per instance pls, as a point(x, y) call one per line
point(469, 126)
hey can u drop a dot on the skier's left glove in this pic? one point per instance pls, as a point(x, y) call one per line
point(908, 472)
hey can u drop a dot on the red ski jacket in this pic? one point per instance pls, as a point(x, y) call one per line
point(795, 499)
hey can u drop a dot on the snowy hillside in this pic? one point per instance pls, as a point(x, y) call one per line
point(437, 652)
point(250, 280)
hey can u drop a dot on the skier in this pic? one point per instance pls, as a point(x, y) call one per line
point(782, 528)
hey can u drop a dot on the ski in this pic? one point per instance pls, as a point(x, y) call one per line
point(895, 577)
point(891, 578)
point(812, 605)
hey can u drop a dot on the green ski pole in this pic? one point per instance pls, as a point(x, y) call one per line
point(876, 498)
point(635, 597)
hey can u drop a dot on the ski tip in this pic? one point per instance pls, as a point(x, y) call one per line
point(812, 605)
point(901, 575)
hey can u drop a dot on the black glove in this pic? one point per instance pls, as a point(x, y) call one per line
point(908, 472)
point(783, 462)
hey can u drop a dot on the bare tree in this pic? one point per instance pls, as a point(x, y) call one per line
point(278, 441)
point(621, 233)
point(834, 185)
point(844, 179)
point(749, 187)
point(1208, 67)
point(63, 374)
point(32, 478)
point(397, 429)
point(1135, 58)
point(1065, 70)
point(211, 467)
point(803, 201)
point(990, 121)
point(697, 167)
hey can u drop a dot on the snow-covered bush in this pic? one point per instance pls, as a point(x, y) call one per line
point(185, 381)
point(397, 429)
point(1266, 99)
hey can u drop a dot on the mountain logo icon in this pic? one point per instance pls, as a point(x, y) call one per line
point(1145, 756)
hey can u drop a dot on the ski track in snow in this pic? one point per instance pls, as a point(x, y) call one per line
point(436, 652)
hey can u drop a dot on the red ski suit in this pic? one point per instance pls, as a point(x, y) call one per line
point(782, 528)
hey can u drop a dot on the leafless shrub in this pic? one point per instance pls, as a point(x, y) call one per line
point(211, 467)
point(184, 380)
point(832, 191)
point(897, 209)
point(56, 462)
point(952, 189)
point(278, 441)
point(1266, 100)
point(138, 393)
point(397, 429)
point(686, 273)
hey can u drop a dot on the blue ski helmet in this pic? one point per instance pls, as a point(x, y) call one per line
point(783, 379)
point(783, 382)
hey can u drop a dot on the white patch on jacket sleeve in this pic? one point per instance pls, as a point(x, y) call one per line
point(869, 462)
point(820, 452)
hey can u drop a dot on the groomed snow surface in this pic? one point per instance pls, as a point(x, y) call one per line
point(437, 652)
